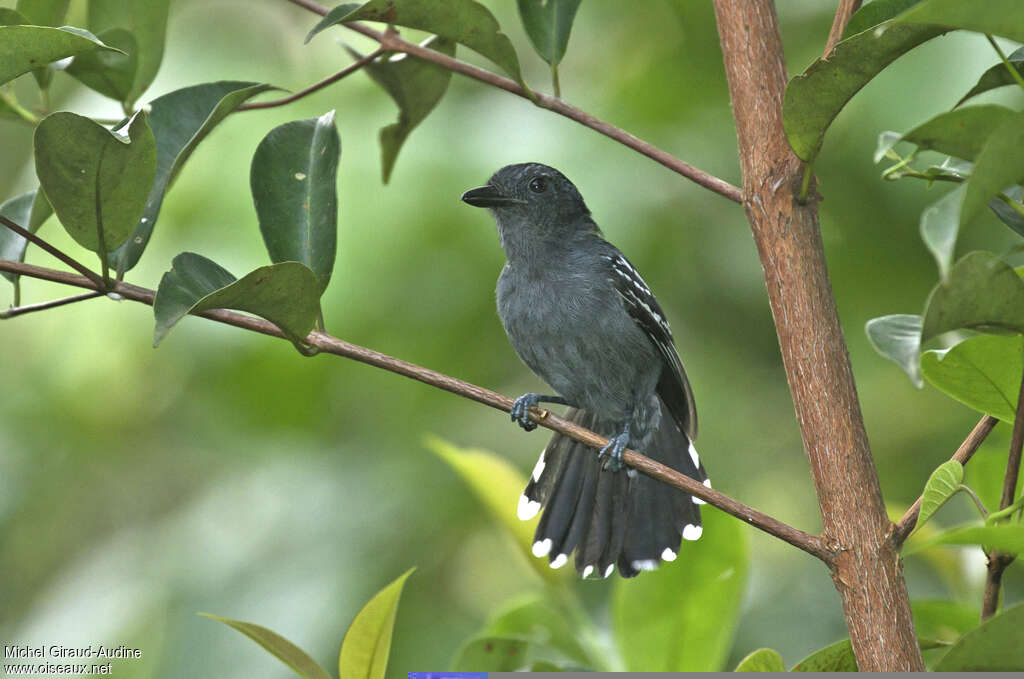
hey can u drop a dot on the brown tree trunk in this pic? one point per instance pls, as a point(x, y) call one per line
point(866, 568)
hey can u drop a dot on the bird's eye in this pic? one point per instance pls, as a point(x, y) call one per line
point(538, 184)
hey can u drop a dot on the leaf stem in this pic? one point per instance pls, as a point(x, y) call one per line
point(1004, 513)
point(977, 500)
point(67, 259)
point(1014, 73)
point(11, 101)
point(17, 292)
point(555, 86)
point(331, 79)
point(1011, 202)
point(805, 183)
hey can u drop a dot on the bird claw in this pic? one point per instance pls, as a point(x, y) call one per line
point(613, 450)
point(521, 410)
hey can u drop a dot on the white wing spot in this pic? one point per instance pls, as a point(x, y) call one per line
point(587, 571)
point(668, 555)
point(527, 508)
point(538, 468)
point(559, 561)
point(697, 500)
point(694, 456)
point(644, 565)
point(542, 547)
point(608, 571)
point(690, 532)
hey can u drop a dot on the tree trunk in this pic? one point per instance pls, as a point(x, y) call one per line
point(866, 568)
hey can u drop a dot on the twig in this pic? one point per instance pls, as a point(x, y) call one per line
point(843, 13)
point(351, 68)
point(392, 42)
point(962, 455)
point(1014, 73)
point(43, 306)
point(67, 259)
point(332, 345)
point(998, 561)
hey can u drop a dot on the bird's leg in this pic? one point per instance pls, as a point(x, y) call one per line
point(521, 408)
point(613, 450)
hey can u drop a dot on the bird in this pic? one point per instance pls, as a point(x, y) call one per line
point(580, 316)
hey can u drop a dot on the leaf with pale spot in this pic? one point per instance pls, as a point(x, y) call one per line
point(942, 485)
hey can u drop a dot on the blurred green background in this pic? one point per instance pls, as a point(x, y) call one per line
point(225, 473)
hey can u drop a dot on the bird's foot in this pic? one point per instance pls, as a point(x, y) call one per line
point(521, 410)
point(613, 450)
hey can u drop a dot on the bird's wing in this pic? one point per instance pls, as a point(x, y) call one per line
point(639, 301)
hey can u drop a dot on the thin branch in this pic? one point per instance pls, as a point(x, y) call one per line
point(998, 561)
point(332, 345)
point(43, 306)
point(843, 13)
point(1014, 73)
point(392, 42)
point(962, 455)
point(67, 259)
point(351, 68)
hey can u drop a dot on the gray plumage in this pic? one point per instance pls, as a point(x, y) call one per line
point(580, 316)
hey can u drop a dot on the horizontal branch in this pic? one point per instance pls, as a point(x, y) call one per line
point(964, 453)
point(332, 345)
point(392, 42)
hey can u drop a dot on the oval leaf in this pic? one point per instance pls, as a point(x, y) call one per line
point(982, 373)
point(994, 646)
point(997, 76)
point(285, 294)
point(961, 132)
point(943, 620)
point(498, 486)
point(999, 164)
point(541, 624)
point(179, 120)
point(294, 186)
point(147, 22)
point(29, 211)
point(109, 73)
point(762, 660)
point(548, 24)
point(815, 97)
point(898, 338)
point(416, 86)
point(1004, 537)
point(875, 12)
point(367, 643)
point(941, 485)
point(998, 17)
point(982, 293)
point(1007, 214)
point(284, 650)
point(97, 181)
point(835, 658)
point(466, 22)
point(23, 48)
point(940, 225)
point(696, 598)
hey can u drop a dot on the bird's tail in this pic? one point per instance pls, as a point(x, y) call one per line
point(622, 518)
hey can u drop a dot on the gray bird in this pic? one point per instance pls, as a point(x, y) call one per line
point(581, 317)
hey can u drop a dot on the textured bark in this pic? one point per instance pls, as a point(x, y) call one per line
point(866, 569)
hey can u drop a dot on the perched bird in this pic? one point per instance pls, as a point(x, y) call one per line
point(579, 315)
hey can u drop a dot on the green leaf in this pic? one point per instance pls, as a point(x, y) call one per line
point(762, 660)
point(898, 338)
point(982, 373)
point(541, 624)
point(491, 654)
point(941, 485)
point(10, 17)
point(886, 140)
point(367, 644)
point(110, 73)
point(994, 646)
point(294, 179)
point(996, 76)
point(943, 620)
point(998, 17)
point(873, 13)
point(815, 97)
point(285, 294)
point(999, 164)
point(146, 20)
point(940, 225)
point(284, 650)
point(1003, 537)
point(466, 22)
point(23, 48)
point(548, 23)
point(29, 211)
point(1007, 214)
point(43, 12)
point(180, 120)
point(696, 598)
point(498, 486)
point(96, 180)
point(982, 293)
point(961, 132)
point(835, 658)
point(416, 86)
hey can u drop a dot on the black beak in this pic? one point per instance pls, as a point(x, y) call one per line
point(489, 196)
